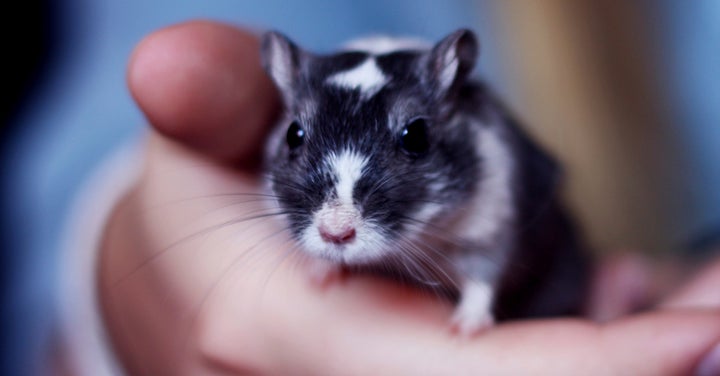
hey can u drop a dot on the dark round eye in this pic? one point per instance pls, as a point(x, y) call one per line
point(295, 135)
point(414, 137)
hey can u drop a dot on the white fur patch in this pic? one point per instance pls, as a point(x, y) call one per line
point(427, 212)
point(380, 44)
point(367, 77)
point(491, 209)
point(430, 209)
point(347, 167)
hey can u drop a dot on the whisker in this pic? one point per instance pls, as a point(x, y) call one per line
point(196, 311)
point(284, 256)
point(439, 271)
point(430, 276)
point(205, 231)
point(407, 259)
point(290, 185)
point(432, 230)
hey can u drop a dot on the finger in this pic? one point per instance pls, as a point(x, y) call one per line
point(201, 83)
point(622, 284)
point(366, 326)
point(701, 292)
point(664, 343)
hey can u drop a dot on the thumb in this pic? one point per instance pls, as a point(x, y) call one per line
point(201, 83)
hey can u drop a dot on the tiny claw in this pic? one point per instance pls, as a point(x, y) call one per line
point(468, 326)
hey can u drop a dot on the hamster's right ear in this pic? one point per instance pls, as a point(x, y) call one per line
point(281, 59)
point(451, 60)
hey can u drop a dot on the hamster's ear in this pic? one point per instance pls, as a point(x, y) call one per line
point(281, 60)
point(451, 60)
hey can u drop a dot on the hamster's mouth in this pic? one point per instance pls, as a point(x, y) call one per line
point(341, 255)
point(343, 238)
point(352, 254)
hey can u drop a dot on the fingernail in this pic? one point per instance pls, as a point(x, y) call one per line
point(710, 364)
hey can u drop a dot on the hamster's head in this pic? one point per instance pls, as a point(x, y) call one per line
point(372, 147)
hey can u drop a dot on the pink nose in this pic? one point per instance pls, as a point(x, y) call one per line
point(338, 236)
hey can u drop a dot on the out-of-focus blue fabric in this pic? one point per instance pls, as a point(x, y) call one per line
point(691, 56)
point(85, 111)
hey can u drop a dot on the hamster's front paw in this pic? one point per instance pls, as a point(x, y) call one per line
point(473, 313)
point(467, 323)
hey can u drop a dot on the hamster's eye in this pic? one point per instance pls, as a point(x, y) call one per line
point(414, 137)
point(295, 135)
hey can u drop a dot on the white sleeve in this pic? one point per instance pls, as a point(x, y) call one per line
point(84, 339)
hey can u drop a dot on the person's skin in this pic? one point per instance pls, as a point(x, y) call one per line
point(180, 300)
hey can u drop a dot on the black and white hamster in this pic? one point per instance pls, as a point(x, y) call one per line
point(390, 157)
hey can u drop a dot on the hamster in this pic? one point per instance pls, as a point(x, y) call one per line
point(390, 157)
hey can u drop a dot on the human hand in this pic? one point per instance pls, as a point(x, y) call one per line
point(188, 287)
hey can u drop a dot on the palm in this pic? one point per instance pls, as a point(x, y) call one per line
point(196, 276)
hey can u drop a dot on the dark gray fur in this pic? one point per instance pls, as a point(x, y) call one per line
point(546, 272)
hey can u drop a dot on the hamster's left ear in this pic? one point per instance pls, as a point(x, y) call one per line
point(281, 59)
point(451, 60)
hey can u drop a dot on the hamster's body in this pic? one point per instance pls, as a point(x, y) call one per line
point(389, 158)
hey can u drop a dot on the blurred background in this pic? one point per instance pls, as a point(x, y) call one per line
point(626, 94)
